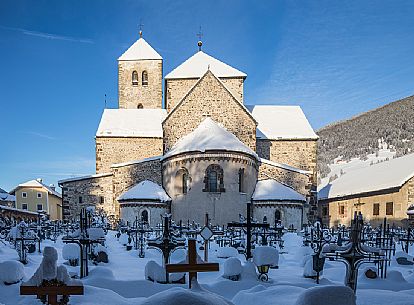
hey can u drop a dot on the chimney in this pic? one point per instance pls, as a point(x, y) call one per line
point(53, 187)
point(40, 180)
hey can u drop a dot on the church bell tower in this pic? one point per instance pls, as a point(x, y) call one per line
point(140, 77)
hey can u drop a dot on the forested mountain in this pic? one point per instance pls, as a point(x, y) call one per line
point(359, 136)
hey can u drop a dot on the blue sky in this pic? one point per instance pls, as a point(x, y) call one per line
point(58, 59)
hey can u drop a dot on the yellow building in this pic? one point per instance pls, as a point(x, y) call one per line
point(35, 196)
point(382, 190)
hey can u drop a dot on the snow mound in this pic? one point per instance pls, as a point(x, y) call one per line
point(308, 267)
point(101, 273)
point(249, 271)
point(181, 296)
point(123, 239)
point(266, 255)
point(96, 233)
point(327, 295)
point(232, 266)
point(157, 273)
point(395, 276)
point(99, 248)
point(226, 252)
point(11, 272)
point(71, 252)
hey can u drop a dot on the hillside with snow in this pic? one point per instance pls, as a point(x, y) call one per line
point(375, 136)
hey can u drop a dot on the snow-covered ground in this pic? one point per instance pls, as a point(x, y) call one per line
point(122, 281)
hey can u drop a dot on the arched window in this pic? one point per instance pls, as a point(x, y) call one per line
point(213, 180)
point(182, 181)
point(278, 216)
point(144, 78)
point(135, 78)
point(241, 180)
point(140, 106)
point(144, 216)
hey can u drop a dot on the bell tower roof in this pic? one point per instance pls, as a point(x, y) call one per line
point(140, 50)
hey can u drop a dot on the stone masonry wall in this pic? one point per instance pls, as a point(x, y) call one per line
point(90, 190)
point(177, 88)
point(297, 153)
point(130, 96)
point(127, 176)
point(209, 98)
point(300, 182)
point(111, 150)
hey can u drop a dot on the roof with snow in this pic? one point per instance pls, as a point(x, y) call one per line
point(281, 122)
point(209, 136)
point(377, 177)
point(131, 123)
point(140, 50)
point(35, 184)
point(146, 190)
point(272, 190)
point(4, 196)
point(199, 63)
point(84, 177)
point(285, 166)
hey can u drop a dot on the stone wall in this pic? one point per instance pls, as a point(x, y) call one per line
point(175, 89)
point(127, 176)
point(111, 150)
point(209, 98)
point(92, 191)
point(291, 214)
point(300, 182)
point(296, 153)
point(129, 210)
point(222, 207)
point(131, 95)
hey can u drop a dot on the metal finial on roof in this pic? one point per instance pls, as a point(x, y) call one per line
point(199, 35)
point(141, 25)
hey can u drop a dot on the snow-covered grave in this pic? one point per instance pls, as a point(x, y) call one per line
point(123, 280)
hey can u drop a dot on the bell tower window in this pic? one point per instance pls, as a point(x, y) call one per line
point(135, 78)
point(145, 78)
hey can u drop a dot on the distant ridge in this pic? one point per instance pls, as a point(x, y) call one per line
point(359, 135)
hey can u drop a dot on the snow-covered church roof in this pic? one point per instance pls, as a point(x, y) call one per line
point(281, 122)
point(381, 176)
point(209, 136)
point(272, 190)
point(131, 123)
point(199, 63)
point(140, 50)
point(145, 190)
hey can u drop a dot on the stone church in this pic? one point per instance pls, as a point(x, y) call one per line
point(198, 148)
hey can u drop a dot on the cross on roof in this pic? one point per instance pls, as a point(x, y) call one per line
point(51, 292)
point(199, 35)
point(141, 25)
point(192, 267)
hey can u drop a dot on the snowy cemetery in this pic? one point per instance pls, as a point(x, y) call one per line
point(92, 261)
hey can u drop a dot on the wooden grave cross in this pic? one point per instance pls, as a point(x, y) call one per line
point(248, 225)
point(51, 292)
point(192, 267)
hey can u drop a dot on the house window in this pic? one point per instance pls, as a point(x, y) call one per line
point(39, 195)
point(40, 207)
point(24, 195)
point(144, 78)
point(389, 208)
point(140, 106)
point(134, 78)
point(341, 210)
point(213, 180)
point(24, 206)
point(241, 180)
point(325, 211)
point(80, 199)
point(144, 215)
point(101, 199)
point(376, 209)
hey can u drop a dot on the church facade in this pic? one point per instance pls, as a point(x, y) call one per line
point(202, 150)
